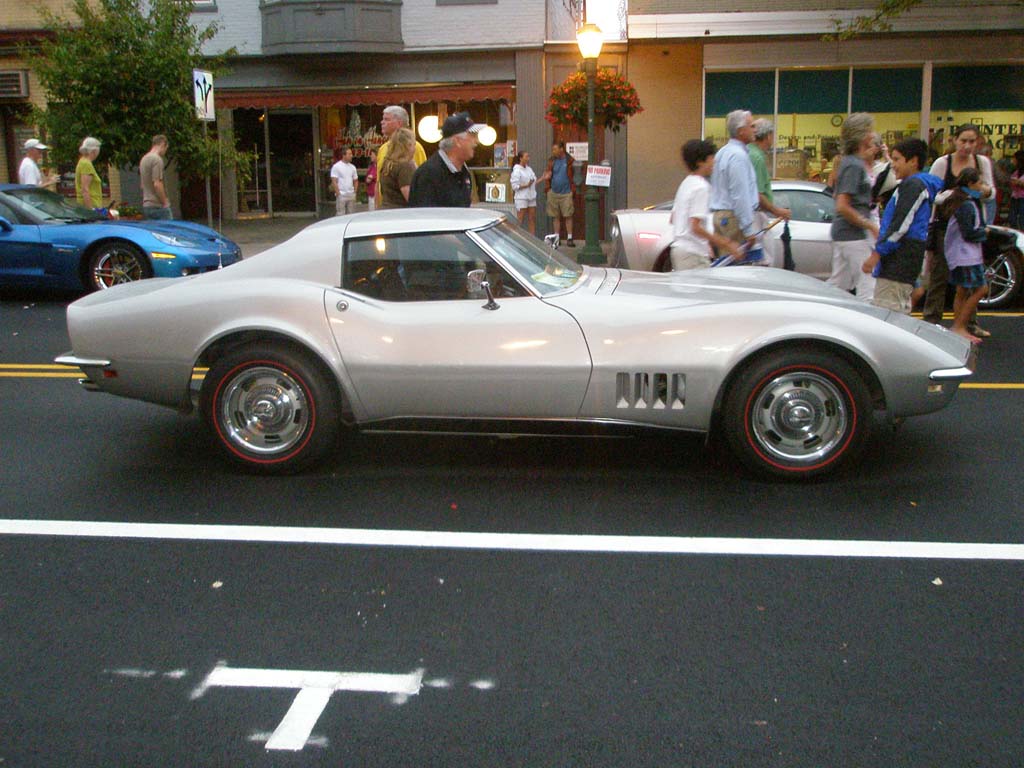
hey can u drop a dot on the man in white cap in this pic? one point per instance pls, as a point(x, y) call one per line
point(444, 179)
point(29, 172)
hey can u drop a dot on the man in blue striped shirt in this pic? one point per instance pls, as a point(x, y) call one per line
point(734, 184)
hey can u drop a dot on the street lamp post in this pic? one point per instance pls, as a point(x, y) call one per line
point(589, 39)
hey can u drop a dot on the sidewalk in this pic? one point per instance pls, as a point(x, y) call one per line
point(259, 234)
point(256, 235)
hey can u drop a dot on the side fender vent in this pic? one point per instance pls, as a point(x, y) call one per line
point(650, 390)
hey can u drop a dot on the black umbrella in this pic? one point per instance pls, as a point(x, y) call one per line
point(787, 252)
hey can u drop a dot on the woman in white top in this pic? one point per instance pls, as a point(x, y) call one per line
point(947, 168)
point(524, 191)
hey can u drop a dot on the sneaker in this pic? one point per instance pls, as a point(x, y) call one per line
point(570, 243)
point(980, 332)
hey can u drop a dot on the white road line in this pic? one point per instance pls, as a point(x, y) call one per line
point(528, 542)
point(300, 720)
point(315, 691)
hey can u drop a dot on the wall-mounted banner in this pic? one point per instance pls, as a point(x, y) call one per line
point(202, 90)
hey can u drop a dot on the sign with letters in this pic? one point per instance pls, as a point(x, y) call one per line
point(578, 150)
point(599, 175)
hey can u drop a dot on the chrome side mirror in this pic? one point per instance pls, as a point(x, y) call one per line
point(477, 287)
point(552, 240)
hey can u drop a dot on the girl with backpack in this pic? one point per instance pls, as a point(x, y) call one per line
point(964, 236)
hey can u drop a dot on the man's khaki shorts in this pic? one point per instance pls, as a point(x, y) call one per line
point(892, 295)
point(560, 205)
point(727, 225)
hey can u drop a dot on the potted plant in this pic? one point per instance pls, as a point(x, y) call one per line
point(615, 100)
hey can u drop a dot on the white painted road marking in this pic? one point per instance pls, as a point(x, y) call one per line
point(532, 542)
point(315, 691)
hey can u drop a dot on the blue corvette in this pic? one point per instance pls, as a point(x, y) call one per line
point(47, 241)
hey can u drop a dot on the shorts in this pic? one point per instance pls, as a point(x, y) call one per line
point(522, 205)
point(892, 295)
point(727, 225)
point(560, 205)
point(968, 277)
point(682, 259)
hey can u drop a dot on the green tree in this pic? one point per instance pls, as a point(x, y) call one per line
point(121, 70)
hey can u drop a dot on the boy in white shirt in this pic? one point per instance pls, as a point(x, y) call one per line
point(692, 241)
point(345, 182)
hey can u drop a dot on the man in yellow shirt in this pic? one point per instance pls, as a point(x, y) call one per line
point(396, 117)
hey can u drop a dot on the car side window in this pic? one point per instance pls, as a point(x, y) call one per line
point(433, 267)
point(8, 213)
point(806, 205)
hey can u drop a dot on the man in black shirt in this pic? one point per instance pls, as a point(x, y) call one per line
point(444, 180)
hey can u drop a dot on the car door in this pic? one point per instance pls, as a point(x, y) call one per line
point(810, 229)
point(21, 252)
point(417, 338)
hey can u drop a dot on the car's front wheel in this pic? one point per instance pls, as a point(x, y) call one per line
point(271, 408)
point(796, 414)
point(115, 263)
point(1004, 274)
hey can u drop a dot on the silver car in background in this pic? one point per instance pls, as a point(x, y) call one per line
point(456, 320)
point(641, 234)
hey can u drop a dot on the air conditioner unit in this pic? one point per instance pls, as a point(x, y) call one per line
point(13, 84)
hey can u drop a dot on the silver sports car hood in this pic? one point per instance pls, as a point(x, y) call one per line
point(742, 284)
point(724, 284)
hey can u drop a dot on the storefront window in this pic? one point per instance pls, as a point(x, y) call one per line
point(893, 96)
point(358, 127)
point(990, 97)
point(726, 91)
point(812, 106)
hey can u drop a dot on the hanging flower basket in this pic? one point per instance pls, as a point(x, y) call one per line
point(615, 100)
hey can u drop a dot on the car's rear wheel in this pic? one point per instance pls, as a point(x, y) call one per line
point(115, 263)
point(271, 408)
point(1004, 273)
point(796, 414)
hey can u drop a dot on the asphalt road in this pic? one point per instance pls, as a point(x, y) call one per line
point(203, 646)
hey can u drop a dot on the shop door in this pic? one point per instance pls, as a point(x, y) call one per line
point(292, 180)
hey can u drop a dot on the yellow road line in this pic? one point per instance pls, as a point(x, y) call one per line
point(34, 366)
point(40, 375)
point(949, 315)
point(978, 385)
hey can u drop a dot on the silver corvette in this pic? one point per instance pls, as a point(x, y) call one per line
point(455, 320)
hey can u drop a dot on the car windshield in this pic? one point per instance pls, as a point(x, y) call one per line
point(49, 206)
point(534, 261)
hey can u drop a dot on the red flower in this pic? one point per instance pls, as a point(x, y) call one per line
point(615, 100)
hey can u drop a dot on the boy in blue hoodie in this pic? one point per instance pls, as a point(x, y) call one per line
point(899, 251)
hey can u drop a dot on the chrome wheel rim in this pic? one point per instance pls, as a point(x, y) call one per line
point(264, 410)
point(1000, 277)
point(116, 266)
point(799, 417)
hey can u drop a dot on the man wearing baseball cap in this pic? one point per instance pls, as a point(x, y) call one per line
point(444, 180)
point(28, 172)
